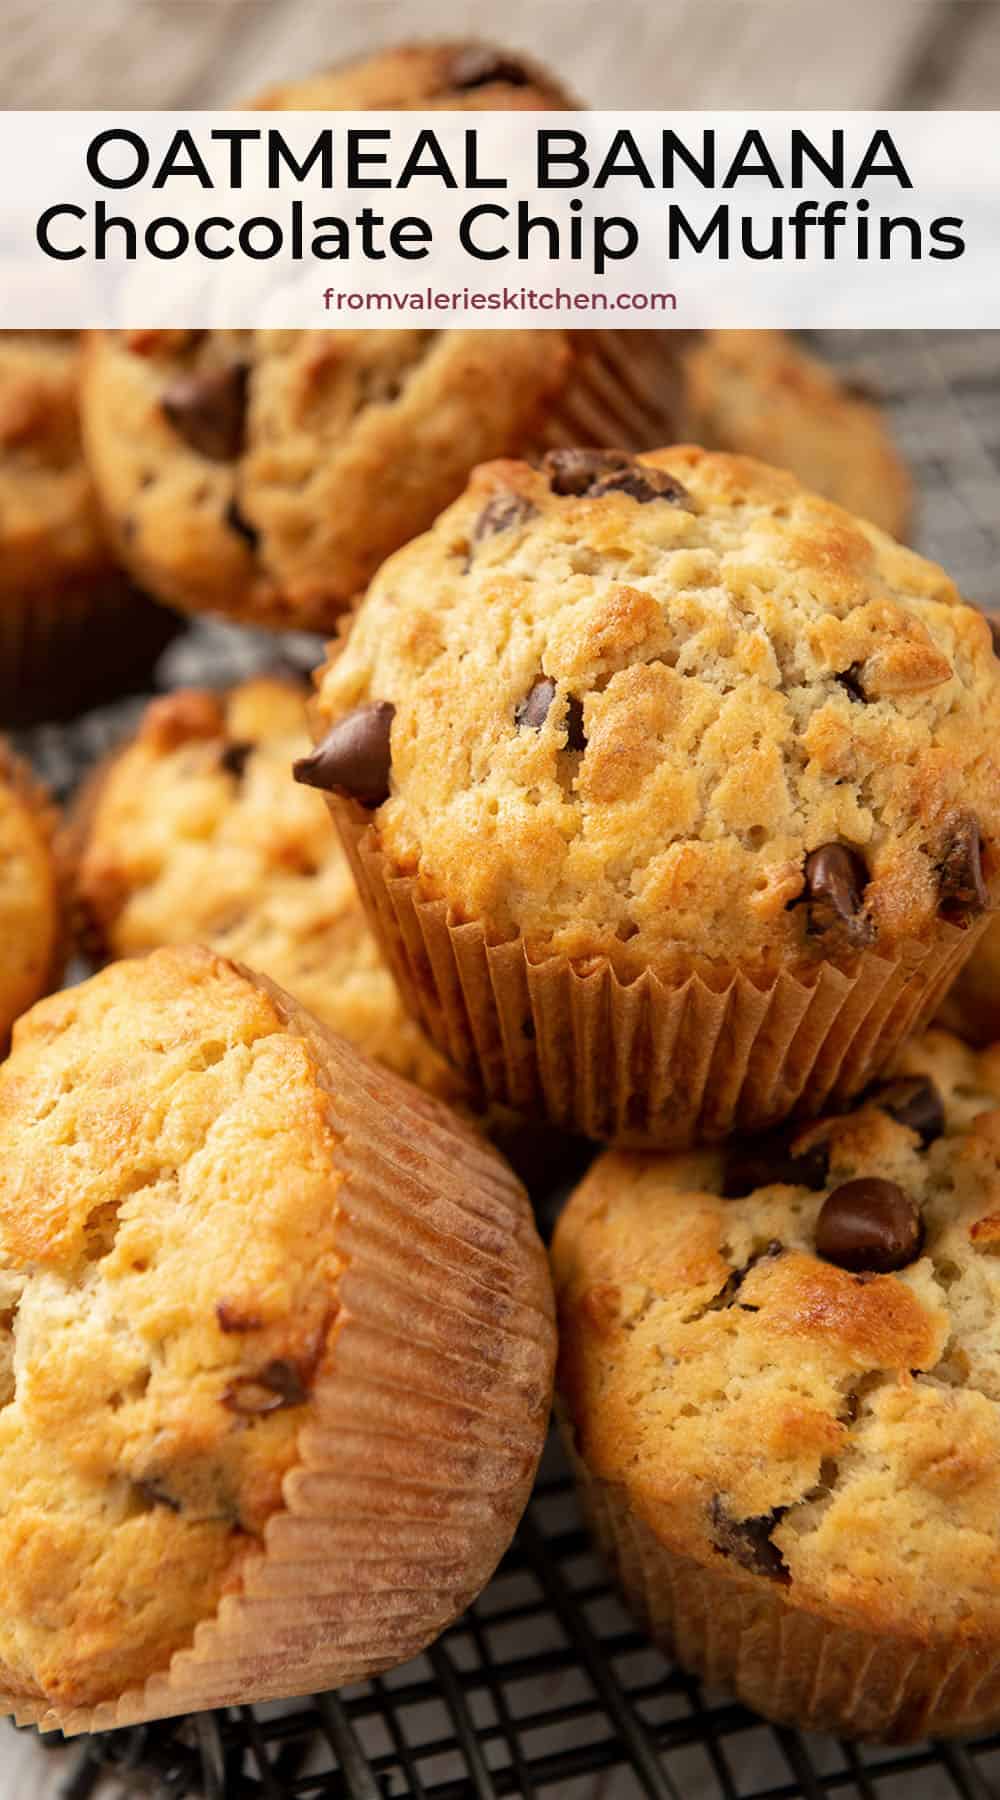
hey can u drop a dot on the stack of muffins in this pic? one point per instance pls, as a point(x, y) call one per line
point(667, 806)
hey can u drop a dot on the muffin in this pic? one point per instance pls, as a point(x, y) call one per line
point(672, 789)
point(780, 1378)
point(32, 893)
point(760, 394)
point(277, 1352)
point(72, 628)
point(195, 832)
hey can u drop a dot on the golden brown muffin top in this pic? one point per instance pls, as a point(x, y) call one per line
point(50, 529)
point(455, 76)
point(196, 833)
point(803, 1381)
point(674, 710)
point(32, 902)
point(168, 1197)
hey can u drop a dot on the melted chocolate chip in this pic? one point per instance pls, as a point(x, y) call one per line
point(836, 878)
point(914, 1101)
point(502, 513)
point(208, 410)
point(643, 484)
point(239, 523)
point(533, 710)
point(576, 471)
point(235, 756)
point(278, 1384)
point(759, 1162)
point(749, 1541)
point(961, 884)
point(355, 757)
point(869, 1226)
point(850, 679)
point(478, 66)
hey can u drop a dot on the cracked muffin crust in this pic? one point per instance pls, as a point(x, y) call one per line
point(32, 892)
point(758, 393)
point(792, 1455)
point(195, 833)
point(59, 587)
point(207, 1329)
point(675, 712)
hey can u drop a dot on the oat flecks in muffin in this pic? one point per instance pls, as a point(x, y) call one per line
point(714, 748)
point(711, 1359)
point(167, 1170)
point(196, 833)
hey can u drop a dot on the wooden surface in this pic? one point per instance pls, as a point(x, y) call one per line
point(615, 53)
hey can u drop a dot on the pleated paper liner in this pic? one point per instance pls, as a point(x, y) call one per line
point(67, 648)
point(625, 390)
point(744, 1633)
point(424, 1428)
point(644, 1063)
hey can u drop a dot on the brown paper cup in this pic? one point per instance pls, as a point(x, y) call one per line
point(743, 1633)
point(425, 1425)
point(75, 646)
point(625, 389)
point(644, 1063)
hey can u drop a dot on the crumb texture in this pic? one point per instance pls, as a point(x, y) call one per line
point(196, 833)
point(168, 1202)
point(771, 1414)
point(626, 715)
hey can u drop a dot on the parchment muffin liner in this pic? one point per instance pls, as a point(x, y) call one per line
point(746, 1633)
point(644, 1063)
point(425, 1424)
point(76, 645)
point(625, 389)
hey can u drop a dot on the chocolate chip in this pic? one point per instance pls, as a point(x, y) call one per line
point(533, 710)
point(239, 523)
point(576, 738)
point(836, 878)
point(502, 513)
point(851, 680)
point(961, 884)
point(479, 66)
point(355, 757)
point(913, 1101)
point(759, 1162)
point(157, 1495)
point(278, 1384)
point(643, 483)
point(234, 758)
point(869, 1226)
point(208, 410)
point(576, 471)
point(749, 1541)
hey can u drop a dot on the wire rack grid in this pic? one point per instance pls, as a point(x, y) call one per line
point(545, 1687)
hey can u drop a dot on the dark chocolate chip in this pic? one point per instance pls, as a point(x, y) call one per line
point(278, 1384)
point(235, 756)
point(576, 471)
point(157, 1495)
point(576, 738)
point(238, 522)
point(869, 1226)
point(836, 878)
point(914, 1101)
point(759, 1162)
point(851, 680)
point(208, 410)
point(961, 884)
point(502, 513)
point(355, 757)
point(479, 66)
point(643, 483)
point(533, 710)
point(749, 1541)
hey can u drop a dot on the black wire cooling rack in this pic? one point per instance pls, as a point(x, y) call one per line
point(545, 1687)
